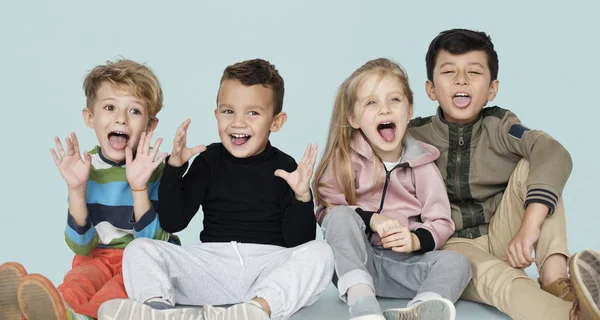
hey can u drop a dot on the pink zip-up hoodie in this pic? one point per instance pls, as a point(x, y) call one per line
point(412, 192)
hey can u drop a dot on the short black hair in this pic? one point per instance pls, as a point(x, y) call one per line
point(459, 41)
point(258, 71)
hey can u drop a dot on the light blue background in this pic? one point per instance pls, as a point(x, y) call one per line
point(548, 76)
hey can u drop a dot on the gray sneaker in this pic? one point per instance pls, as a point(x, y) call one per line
point(121, 309)
point(434, 309)
point(584, 267)
point(241, 311)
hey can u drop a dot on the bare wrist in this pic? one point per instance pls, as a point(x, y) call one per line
point(303, 198)
point(138, 189)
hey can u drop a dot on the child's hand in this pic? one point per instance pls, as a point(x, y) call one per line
point(73, 168)
point(519, 249)
point(380, 224)
point(138, 171)
point(181, 153)
point(400, 239)
point(299, 180)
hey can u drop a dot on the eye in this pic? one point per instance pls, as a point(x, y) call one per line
point(135, 111)
point(395, 99)
point(448, 72)
point(109, 107)
point(475, 72)
point(227, 111)
point(371, 102)
point(253, 113)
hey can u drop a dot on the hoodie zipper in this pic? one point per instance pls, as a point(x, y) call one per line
point(387, 182)
point(461, 142)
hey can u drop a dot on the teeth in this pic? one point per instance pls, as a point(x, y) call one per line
point(388, 122)
point(461, 95)
point(235, 135)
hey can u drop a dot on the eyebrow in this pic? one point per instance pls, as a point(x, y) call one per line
point(135, 101)
point(226, 105)
point(453, 64)
point(371, 96)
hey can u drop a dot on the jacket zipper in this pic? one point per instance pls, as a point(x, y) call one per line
point(461, 142)
point(387, 181)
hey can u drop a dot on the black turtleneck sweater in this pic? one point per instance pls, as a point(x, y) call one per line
point(241, 198)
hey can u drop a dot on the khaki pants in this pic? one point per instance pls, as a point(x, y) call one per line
point(494, 281)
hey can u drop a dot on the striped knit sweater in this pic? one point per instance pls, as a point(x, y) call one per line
point(111, 222)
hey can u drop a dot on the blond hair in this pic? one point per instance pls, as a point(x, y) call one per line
point(129, 76)
point(337, 150)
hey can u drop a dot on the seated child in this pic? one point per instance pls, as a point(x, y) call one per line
point(257, 247)
point(504, 182)
point(382, 203)
point(113, 193)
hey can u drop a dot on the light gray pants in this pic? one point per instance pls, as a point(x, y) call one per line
point(390, 274)
point(228, 273)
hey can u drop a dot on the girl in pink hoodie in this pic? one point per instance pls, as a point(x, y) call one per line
point(382, 203)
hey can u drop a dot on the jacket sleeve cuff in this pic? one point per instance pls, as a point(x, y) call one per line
point(542, 196)
point(366, 217)
point(426, 239)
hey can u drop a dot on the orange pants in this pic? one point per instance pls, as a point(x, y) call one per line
point(94, 280)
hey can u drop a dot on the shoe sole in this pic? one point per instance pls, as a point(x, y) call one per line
point(11, 274)
point(124, 309)
point(39, 299)
point(438, 309)
point(584, 268)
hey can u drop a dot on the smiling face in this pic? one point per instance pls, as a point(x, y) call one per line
point(245, 117)
point(381, 112)
point(118, 119)
point(462, 85)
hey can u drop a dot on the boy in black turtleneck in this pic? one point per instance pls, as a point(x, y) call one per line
point(258, 248)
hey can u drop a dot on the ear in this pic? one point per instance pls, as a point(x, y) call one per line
point(88, 117)
point(430, 89)
point(353, 121)
point(152, 125)
point(410, 112)
point(493, 89)
point(278, 121)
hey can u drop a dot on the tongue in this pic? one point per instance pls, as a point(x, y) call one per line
point(117, 142)
point(388, 134)
point(239, 141)
point(461, 102)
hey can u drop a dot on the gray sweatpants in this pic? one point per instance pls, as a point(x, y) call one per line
point(228, 273)
point(390, 274)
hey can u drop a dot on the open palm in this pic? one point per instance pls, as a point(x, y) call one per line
point(181, 153)
point(73, 168)
point(139, 170)
point(299, 180)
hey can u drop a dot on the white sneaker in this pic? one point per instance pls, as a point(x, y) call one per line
point(433, 309)
point(124, 309)
point(369, 317)
point(241, 311)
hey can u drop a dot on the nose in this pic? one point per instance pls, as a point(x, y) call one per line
point(385, 109)
point(461, 79)
point(121, 117)
point(239, 120)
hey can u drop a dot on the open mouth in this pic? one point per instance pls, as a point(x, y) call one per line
point(239, 139)
point(461, 100)
point(118, 140)
point(387, 130)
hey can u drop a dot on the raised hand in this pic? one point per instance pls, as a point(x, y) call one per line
point(139, 170)
point(299, 180)
point(73, 168)
point(181, 153)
